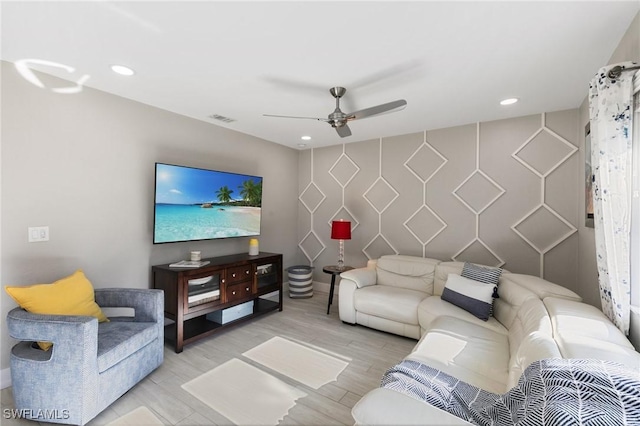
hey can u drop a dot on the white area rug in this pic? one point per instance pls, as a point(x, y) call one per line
point(244, 394)
point(138, 417)
point(306, 365)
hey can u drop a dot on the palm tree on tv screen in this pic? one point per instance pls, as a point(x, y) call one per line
point(251, 193)
point(224, 194)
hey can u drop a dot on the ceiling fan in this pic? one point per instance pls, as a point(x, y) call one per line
point(338, 119)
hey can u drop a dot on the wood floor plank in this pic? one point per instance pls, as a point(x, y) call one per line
point(196, 419)
point(332, 391)
point(350, 399)
point(163, 402)
point(308, 416)
point(326, 406)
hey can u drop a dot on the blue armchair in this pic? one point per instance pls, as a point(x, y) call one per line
point(90, 365)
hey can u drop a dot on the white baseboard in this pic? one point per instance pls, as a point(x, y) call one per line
point(324, 287)
point(5, 378)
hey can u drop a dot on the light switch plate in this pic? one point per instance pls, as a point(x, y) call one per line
point(38, 234)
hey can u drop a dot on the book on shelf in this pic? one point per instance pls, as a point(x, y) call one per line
point(189, 264)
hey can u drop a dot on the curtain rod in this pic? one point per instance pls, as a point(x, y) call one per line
point(618, 69)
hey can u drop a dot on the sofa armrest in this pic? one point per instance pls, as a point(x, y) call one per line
point(67, 332)
point(346, 303)
point(361, 277)
point(350, 282)
point(384, 406)
point(57, 379)
point(148, 304)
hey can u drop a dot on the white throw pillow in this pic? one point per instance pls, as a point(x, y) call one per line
point(472, 296)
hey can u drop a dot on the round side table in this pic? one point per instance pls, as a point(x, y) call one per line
point(333, 270)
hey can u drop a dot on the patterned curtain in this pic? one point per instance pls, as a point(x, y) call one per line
point(610, 110)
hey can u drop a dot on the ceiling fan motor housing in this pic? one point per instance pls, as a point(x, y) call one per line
point(337, 118)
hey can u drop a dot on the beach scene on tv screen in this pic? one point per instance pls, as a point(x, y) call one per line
point(197, 204)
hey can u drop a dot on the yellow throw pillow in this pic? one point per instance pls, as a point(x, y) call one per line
point(72, 295)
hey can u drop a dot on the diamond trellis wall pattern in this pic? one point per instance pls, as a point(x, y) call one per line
point(502, 193)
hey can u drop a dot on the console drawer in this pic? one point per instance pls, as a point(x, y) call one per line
point(238, 291)
point(239, 273)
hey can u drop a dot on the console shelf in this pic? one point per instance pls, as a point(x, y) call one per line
point(230, 281)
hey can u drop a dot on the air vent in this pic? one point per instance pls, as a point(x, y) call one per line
point(222, 118)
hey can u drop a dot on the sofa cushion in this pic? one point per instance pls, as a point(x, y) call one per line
point(468, 351)
point(531, 317)
point(410, 272)
point(442, 273)
point(512, 296)
point(119, 339)
point(434, 307)
point(579, 319)
point(583, 331)
point(534, 347)
point(392, 303)
point(390, 326)
point(541, 287)
point(472, 296)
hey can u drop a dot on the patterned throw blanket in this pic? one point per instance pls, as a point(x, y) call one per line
point(549, 392)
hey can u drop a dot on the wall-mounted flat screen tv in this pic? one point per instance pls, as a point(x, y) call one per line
point(197, 204)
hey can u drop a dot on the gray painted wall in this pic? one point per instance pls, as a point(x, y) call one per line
point(499, 193)
point(84, 166)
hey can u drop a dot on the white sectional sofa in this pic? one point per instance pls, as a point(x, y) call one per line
point(533, 319)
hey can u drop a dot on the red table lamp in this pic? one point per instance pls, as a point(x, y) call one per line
point(341, 230)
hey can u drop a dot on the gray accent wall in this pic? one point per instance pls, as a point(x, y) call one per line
point(83, 164)
point(501, 193)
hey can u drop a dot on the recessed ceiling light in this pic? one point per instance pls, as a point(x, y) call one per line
point(508, 101)
point(302, 145)
point(306, 138)
point(122, 70)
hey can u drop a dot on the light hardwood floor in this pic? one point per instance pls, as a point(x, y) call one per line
point(370, 352)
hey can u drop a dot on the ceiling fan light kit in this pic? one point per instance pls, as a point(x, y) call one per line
point(338, 119)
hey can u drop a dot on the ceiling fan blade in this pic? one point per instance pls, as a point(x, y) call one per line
point(343, 131)
point(378, 109)
point(291, 116)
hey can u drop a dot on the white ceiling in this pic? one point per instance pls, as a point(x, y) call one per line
point(452, 61)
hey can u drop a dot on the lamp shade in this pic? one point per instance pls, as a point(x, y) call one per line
point(340, 230)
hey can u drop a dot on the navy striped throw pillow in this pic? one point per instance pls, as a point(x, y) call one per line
point(472, 296)
point(480, 273)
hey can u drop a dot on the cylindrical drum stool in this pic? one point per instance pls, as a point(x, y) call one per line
point(300, 281)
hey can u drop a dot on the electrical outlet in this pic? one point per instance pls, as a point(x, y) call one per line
point(38, 234)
